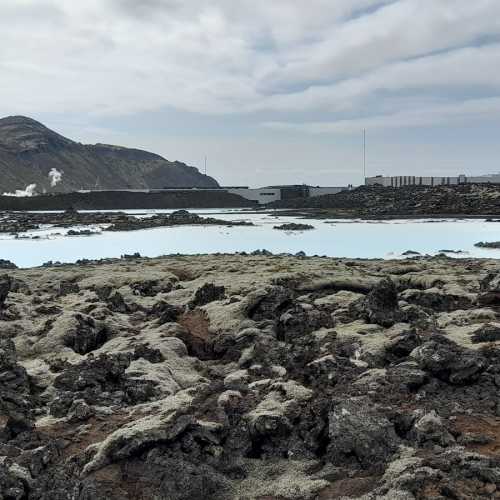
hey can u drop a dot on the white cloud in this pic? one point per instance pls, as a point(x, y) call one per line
point(373, 63)
point(464, 68)
point(458, 113)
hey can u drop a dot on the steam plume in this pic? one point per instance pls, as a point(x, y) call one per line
point(55, 177)
point(28, 191)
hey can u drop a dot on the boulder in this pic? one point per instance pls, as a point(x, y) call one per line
point(490, 289)
point(165, 312)
point(103, 373)
point(7, 264)
point(5, 288)
point(402, 345)
point(86, 334)
point(449, 362)
point(67, 287)
point(13, 484)
point(206, 294)
point(300, 320)
point(438, 300)
point(429, 428)
point(15, 398)
point(486, 333)
point(381, 305)
point(151, 287)
point(407, 376)
point(360, 434)
point(80, 411)
point(267, 304)
point(116, 303)
point(158, 428)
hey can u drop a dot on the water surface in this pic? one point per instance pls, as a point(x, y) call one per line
point(336, 238)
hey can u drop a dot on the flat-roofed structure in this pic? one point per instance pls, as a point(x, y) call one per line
point(415, 180)
point(260, 196)
point(284, 192)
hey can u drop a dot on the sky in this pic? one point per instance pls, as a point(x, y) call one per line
point(269, 91)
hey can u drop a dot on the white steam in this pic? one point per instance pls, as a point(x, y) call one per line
point(28, 191)
point(55, 177)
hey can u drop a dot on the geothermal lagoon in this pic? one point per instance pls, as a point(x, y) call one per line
point(353, 238)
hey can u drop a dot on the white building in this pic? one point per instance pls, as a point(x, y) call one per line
point(415, 180)
point(275, 193)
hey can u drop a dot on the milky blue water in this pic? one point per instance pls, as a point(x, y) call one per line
point(337, 238)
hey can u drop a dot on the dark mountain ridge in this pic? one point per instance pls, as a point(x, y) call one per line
point(29, 151)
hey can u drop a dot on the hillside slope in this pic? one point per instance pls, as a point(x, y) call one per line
point(29, 151)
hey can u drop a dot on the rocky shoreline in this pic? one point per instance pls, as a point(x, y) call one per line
point(17, 222)
point(251, 377)
point(376, 202)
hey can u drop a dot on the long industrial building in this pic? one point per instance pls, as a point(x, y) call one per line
point(287, 192)
point(415, 180)
point(259, 195)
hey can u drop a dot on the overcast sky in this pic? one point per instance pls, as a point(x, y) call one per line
point(272, 91)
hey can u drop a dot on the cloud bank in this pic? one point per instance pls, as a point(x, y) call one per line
point(291, 68)
point(242, 56)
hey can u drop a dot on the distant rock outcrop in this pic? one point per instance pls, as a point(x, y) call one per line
point(407, 201)
point(30, 153)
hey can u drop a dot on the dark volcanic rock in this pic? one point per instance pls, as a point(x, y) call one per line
point(206, 294)
point(384, 202)
point(446, 360)
point(7, 264)
point(292, 226)
point(490, 288)
point(270, 304)
point(488, 244)
point(103, 380)
point(117, 303)
point(67, 287)
point(178, 218)
point(104, 373)
point(150, 288)
point(437, 300)
point(300, 320)
point(299, 385)
point(5, 288)
point(360, 434)
point(15, 404)
point(381, 305)
point(165, 312)
point(486, 333)
point(82, 232)
point(86, 336)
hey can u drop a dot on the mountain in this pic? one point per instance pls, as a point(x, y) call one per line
point(29, 151)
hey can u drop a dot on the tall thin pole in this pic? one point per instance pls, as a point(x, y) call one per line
point(364, 155)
